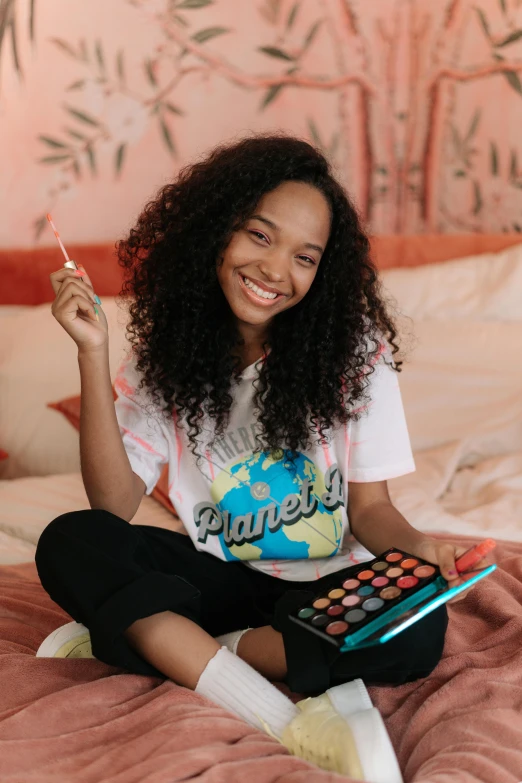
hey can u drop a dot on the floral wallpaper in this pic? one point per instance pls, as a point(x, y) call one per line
point(418, 104)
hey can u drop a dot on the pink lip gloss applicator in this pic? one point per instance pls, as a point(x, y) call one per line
point(69, 263)
point(473, 555)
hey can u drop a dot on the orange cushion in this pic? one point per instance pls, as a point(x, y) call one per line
point(70, 407)
point(25, 272)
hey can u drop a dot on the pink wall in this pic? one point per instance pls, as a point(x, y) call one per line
point(417, 102)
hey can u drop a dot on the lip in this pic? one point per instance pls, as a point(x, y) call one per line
point(258, 299)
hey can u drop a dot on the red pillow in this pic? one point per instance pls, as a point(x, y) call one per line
point(70, 407)
point(3, 454)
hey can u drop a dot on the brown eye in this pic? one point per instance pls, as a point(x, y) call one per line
point(257, 233)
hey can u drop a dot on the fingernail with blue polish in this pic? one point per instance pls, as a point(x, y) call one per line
point(97, 299)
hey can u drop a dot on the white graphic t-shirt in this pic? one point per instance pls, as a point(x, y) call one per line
point(288, 520)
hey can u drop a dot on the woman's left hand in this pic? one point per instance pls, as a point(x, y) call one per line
point(444, 554)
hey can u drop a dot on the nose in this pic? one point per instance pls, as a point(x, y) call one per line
point(273, 268)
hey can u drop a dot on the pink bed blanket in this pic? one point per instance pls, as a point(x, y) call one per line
point(82, 721)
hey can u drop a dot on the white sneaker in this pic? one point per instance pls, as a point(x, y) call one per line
point(342, 732)
point(69, 641)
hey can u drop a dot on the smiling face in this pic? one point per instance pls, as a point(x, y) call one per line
point(272, 259)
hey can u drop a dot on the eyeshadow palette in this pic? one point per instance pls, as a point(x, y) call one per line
point(370, 606)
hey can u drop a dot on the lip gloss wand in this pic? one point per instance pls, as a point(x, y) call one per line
point(69, 263)
point(467, 560)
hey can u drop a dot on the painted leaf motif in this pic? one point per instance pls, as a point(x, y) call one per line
point(76, 85)
point(511, 38)
point(513, 80)
point(91, 157)
point(314, 133)
point(52, 142)
point(81, 115)
point(39, 225)
point(194, 3)
point(149, 70)
point(99, 56)
point(477, 206)
point(271, 93)
point(54, 159)
point(167, 136)
point(312, 33)
point(483, 22)
point(473, 126)
point(120, 67)
point(120, 154)
point(66, 47)
point(493, 158)
point(291, 16)
point(208, 33)
point(174, 109)
point(273, 51)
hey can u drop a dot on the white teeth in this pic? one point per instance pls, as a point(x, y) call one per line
point(257, 290)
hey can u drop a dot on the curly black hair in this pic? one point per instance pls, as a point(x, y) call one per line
point(183, 331)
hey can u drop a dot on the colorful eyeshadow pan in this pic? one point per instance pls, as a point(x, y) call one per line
point(354, 616)
point(321, 603)
point(380, 581)
point(389, 593)
point(410, 562)
point(336, 628)
point(320, 619)
point(372, 604)
point(405, 582)
point(423, 571)
point(361, 598)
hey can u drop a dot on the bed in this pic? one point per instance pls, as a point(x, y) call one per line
point(459, 305)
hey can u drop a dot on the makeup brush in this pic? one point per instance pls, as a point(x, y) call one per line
point(69, 263)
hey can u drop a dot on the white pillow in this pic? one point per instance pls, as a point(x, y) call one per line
point(39, 364)
point(484, 287)
point(23, 518)
point(463, 379)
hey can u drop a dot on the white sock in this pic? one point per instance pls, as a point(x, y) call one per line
point(230, 682)
point(231, 640)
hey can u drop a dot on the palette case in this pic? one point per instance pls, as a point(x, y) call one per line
point(390, 601)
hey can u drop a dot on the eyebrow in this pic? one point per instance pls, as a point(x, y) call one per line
point(276, 228)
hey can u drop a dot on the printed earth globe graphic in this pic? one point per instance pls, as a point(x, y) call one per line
point(264, 480)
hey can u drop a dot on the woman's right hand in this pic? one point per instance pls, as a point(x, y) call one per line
point(73, 308)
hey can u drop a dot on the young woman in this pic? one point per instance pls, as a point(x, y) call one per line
point(261, 370)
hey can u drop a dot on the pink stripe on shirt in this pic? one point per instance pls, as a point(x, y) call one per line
point(123, 386)
point(140, 441)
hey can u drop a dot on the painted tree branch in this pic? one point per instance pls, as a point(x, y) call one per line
point(475, 73)
point(164, 92)
point(220, 65)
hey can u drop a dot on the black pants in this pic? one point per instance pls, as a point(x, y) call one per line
point(107, 573)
